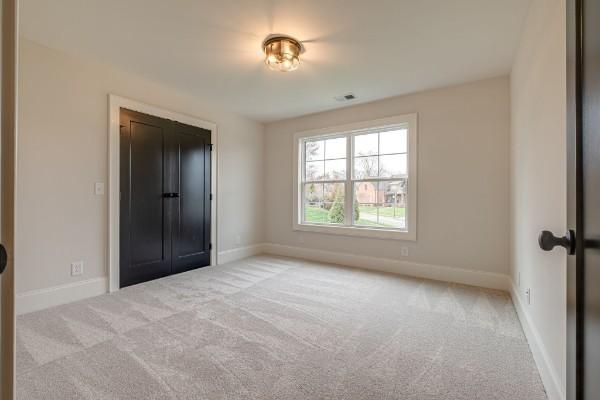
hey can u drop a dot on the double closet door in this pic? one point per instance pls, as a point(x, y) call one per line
point(165, 197)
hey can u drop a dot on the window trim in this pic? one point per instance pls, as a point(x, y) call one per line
point(298, 165)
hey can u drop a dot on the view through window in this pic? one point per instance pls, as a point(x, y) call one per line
point(358, 179)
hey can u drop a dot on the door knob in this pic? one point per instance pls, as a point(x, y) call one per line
point(3, 258)
point(548, 241)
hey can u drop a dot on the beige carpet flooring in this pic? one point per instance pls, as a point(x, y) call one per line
point(276, 328)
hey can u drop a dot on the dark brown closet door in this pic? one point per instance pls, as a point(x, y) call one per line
point(145, 232)
point(191, 209)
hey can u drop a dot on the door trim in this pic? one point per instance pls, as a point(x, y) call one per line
point(115, 103)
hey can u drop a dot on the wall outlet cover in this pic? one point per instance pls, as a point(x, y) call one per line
point(77, 268)
point(99, 188)
point(404, 251)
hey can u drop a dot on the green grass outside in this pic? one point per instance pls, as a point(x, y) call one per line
point(313, 214)
point(384, 211)
point(364, 222)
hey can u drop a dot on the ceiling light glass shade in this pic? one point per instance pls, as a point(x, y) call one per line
point(282, 53)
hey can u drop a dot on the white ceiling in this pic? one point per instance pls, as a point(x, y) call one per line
point(373, 48)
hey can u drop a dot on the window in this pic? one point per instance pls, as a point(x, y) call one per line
point(358, 179)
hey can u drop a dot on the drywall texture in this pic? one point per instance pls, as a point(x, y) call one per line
point(538, 174)
point(463, 177)
point(63, 140)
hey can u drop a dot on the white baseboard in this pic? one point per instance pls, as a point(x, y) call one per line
point(239, 253)
point(548, 372)
point(428, 271)
point(35, 300)
point(43, 298)
point(40, 299)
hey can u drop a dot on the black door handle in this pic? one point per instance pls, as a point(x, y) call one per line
point(3, 258)
point(170, 195)
point(548, 241)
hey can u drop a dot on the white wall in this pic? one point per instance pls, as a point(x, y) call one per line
point(63, 152)
point(463, 194)
point(538, 186)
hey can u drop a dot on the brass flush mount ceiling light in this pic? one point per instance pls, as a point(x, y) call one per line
point(282, 53)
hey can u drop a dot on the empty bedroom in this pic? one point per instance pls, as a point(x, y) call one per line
point(272, 199)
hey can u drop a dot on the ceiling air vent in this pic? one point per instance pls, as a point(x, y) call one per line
point(345, 97)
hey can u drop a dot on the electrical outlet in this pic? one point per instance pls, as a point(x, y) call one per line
point(404, 251)
point(77, 268)
point(238, 239)
point(99, 188)
point(528, 296)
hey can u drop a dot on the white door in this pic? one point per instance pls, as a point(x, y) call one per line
point(7, 190)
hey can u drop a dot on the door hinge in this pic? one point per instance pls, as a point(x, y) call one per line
point(210, 246)
point(211, 147)
point(211, 197)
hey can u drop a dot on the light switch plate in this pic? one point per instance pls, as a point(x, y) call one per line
point(99, 188)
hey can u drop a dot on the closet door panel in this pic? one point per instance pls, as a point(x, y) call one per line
point(191, 216)
point(145, 239)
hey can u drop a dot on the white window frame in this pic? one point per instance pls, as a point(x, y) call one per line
point(408, 120)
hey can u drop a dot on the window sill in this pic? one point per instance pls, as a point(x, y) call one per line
point(357, 232)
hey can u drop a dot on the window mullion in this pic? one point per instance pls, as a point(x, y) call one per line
point(348, 197)
point(302, 178)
